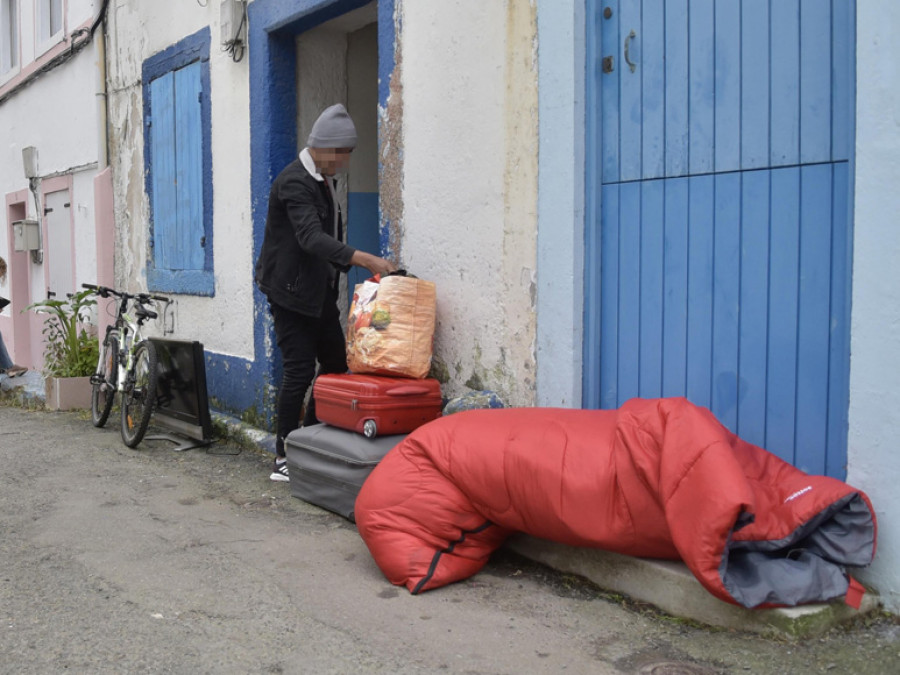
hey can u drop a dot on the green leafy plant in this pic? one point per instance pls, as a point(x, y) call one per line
point(71, 350)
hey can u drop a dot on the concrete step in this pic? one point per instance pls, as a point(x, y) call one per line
point(672, 588)
point(26, 390)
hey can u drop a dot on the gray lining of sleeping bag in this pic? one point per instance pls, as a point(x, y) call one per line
point(807, 565)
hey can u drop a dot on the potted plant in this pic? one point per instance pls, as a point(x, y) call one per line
point(72, 350)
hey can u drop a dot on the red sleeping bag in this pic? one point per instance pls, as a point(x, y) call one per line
point(659, 478)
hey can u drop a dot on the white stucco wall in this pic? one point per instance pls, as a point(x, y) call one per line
point(224, 322)
point(874, 418)
point(470, 185)
point(55, 112)
point(57, 115)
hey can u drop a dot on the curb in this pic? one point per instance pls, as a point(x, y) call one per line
point(672, 588)
point(244, 434)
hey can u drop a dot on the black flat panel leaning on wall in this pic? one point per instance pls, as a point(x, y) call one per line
point(182, 404)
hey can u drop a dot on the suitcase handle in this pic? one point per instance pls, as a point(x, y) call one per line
point(407, 390)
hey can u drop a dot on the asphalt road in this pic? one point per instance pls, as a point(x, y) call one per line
point(152, 561)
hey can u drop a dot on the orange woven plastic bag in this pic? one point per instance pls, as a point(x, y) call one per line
point(390, 330)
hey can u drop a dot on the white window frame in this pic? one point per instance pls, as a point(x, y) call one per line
point(10, 10)
point(43, 14)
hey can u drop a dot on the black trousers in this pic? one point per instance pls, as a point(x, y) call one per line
point(303, 340)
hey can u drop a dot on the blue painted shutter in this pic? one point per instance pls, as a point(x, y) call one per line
point(163, 171)
point(723, 229)
point(189, 162)
point(177, 169)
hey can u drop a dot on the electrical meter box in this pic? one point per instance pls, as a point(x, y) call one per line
point(231, 20)
point(26, 235)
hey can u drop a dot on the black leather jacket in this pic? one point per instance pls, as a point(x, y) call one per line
point(300, 256)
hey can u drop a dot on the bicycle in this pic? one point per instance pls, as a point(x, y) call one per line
point(127, 364)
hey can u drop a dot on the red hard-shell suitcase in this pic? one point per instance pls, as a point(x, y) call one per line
point(374, 405)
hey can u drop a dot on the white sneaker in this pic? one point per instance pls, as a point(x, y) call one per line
point(280, 471)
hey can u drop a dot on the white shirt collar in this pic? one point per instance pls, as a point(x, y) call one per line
point(310, 164)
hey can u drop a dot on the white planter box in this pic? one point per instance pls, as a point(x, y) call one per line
point(68, 393)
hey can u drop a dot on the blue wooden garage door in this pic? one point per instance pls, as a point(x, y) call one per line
point(718, 236)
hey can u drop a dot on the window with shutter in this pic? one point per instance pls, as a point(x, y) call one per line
point(9, 38)
point(49, 23)
point(177, 156)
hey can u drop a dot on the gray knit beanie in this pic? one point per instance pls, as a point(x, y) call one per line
point(333, 129)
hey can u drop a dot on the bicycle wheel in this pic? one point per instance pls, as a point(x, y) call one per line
point(139, 394)
point(103, 384)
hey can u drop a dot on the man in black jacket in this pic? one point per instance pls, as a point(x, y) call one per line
point(299, 268)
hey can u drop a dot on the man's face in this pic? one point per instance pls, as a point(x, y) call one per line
point(330, 161)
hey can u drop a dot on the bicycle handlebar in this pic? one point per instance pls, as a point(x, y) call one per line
point(105, 292)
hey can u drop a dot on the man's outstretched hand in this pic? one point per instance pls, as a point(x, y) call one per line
point(373, 263)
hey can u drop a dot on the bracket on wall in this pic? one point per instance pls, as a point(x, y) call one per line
point(30, 167)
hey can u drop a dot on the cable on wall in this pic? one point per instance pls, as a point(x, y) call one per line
point(236, 46)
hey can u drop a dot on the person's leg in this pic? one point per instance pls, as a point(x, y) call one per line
point(331, 351)
point(296, 336)
point(5, 361)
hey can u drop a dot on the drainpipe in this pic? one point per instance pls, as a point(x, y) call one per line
point(102, 106)
point(104, 248)
point(102, 103)
point(37, 255)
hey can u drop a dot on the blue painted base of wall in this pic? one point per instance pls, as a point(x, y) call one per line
point(243, 388)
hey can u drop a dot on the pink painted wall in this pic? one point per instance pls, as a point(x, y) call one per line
point(16, 326)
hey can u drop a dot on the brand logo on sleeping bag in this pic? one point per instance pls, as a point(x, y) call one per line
point(798, 493)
